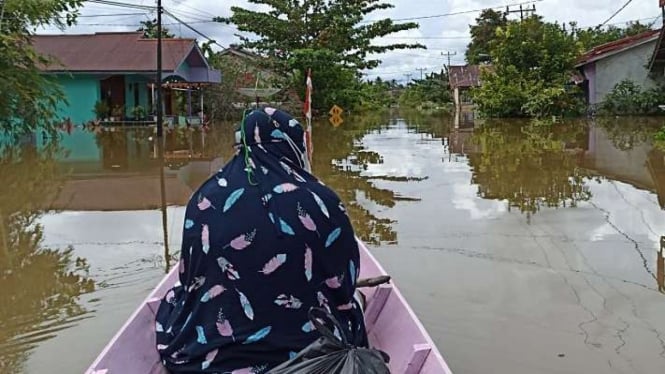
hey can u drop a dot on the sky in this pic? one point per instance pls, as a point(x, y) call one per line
point(441, 34)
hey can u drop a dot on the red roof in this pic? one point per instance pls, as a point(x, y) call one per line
point(111, 52)
point(607, 49)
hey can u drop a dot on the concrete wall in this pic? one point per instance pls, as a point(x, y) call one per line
point(82, 92)
point(631, 64)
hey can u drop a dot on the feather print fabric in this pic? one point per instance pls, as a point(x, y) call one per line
point(263, 242)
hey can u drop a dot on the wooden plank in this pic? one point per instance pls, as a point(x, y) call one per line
point(417, 360)
point(376, 303)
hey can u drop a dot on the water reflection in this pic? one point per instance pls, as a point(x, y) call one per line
point(339, 159)
point(660, 266)
point(530, 164)
point(40, 285)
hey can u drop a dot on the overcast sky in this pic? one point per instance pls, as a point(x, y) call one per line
point(439, 34)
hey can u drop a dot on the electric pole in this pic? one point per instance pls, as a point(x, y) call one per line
point(158, 82)
point(522, 11)
point(421, 70)
point(449, 54)
point(408, 78)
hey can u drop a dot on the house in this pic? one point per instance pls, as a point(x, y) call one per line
point(608, 64)
point(118, 69)
point(461, 79)
point(251, 77)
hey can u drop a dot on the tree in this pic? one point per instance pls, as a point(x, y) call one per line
point(482, 34)
point(432, 91)
point(329, 36)
point(335, 25)
point(149, 29)
point(28, 99)
point(532, 63)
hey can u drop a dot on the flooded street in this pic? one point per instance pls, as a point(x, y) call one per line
point(523, 247)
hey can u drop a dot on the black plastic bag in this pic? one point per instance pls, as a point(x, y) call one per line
point(331, 355)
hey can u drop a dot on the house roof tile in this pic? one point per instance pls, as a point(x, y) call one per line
point(607, 49)
point(110, 52)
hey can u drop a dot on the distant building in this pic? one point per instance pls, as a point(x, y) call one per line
point(250, 72)
point(461, 79)
point(119, 70)
point(608, 64)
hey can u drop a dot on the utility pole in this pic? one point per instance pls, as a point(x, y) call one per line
point(522, 11)
point(160, 133)
point(158, 78)
point(421, 70)
point(408, 78)
point(449, 54)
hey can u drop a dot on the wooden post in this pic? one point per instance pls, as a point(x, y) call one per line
point(158, 78)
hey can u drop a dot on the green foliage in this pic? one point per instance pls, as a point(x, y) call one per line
point(29, 100)
point(659, 139)
point(149, 29)
point(101, 109)
point(482, 34)
point(433, 91)
point(332, 37)
point(628, 98)
point(334, 83)
point(532, 63)
point(378, 94)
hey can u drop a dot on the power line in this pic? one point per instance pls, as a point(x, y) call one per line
point(456, 13)
point(192, 11)
point(121, 4)
point(109, 15)
point(617, 12)
point(167, 12)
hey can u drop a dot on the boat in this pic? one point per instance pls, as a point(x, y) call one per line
point(392, 327)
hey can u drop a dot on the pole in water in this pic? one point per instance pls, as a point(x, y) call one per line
point(158, 78)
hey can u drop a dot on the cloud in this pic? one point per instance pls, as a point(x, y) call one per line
point(439, 34)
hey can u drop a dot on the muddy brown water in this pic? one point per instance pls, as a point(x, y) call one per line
point(523, 247)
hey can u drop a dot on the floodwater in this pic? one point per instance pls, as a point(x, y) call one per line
point(523, 247)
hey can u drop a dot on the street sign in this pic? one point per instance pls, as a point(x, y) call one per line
point(337, 111)
point(336, 121)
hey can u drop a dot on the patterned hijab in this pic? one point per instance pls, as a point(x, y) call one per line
point(263, 242)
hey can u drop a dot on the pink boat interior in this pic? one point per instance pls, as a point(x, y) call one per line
point(391, 324)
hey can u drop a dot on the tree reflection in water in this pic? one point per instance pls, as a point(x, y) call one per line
point(530, 164)
point(40, 285)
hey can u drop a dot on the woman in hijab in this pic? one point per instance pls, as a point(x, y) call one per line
point(264, 241)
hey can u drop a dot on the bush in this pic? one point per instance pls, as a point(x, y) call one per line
point(627, 98)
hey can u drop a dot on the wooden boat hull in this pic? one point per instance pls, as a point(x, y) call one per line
point(391, 325)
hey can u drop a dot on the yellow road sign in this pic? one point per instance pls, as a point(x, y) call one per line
point(336, 120)
point(336, 111)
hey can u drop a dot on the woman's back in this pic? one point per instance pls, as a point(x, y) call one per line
point(263, 242)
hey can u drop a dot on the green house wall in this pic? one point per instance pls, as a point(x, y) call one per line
point(140, 82)
point(82, 92)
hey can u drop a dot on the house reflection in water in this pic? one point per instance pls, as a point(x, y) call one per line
point(118, 168)
point(633, 161)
